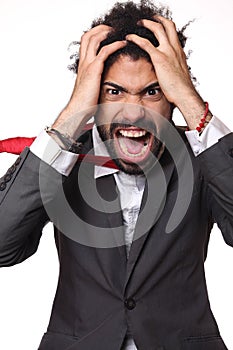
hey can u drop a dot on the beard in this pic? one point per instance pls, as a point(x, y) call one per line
point(134, 149)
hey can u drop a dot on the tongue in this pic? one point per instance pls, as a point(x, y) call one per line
point(133, 147)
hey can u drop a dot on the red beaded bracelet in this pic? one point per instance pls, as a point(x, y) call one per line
point(203, 119)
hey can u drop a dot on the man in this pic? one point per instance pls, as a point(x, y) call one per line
point(131, 239)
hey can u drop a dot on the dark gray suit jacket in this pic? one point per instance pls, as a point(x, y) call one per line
point(160, 293)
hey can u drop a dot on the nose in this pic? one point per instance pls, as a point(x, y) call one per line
point(133, 112)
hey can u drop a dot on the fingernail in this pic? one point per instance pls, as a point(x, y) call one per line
point(139, 23)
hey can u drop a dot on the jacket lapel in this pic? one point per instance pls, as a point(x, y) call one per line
point(153, 202)
point(109, 201)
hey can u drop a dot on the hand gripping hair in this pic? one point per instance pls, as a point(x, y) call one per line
point(123, 18)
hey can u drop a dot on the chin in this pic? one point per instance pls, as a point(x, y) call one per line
point(132, 168)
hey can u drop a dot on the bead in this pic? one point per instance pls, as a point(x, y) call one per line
point(203, 119)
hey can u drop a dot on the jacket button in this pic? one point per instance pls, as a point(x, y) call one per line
point(12, 169)
point(130, 303)
point(231, 152)
point(7, 177)
point(18, 160)
point(2, 186)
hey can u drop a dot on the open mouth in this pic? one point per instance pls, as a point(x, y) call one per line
point(133, 144)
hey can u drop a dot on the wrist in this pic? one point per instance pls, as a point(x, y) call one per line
point(204, 120)
point(72, 121)
point(194, 109)
point(64, 140)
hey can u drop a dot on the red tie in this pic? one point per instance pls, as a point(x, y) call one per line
point(15, 145)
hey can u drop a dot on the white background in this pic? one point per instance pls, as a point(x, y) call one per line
point(35, 85)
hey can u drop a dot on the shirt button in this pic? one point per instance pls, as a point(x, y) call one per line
point(130, 303)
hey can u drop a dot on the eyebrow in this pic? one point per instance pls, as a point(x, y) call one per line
point(121, 88)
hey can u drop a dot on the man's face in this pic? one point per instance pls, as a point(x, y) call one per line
point(129, 93)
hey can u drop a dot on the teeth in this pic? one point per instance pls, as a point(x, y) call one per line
point(124, 149)
point(132, 133)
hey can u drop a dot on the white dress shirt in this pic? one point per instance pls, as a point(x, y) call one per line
point(130, 187)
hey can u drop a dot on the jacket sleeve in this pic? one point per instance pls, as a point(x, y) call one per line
point(217, 167)
point(22, 213)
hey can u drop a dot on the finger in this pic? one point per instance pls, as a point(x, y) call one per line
point(143, 43)
point(170, 29)
point(107, 50)
point(94, 43)
point(158, 30)
point(102, 30)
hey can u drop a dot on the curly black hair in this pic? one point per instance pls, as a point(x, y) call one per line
point(123, 18)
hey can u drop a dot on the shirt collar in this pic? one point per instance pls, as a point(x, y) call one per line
point(100, 150)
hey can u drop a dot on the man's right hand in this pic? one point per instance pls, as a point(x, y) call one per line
point(86, 91)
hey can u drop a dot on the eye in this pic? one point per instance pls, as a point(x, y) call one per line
point(153, 91)
point(113, 92)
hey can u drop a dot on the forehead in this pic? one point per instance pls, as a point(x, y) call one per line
point(131, 74)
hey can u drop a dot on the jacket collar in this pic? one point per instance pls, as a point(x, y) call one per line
point(100, 150)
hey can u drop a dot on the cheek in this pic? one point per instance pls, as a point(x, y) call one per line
point(162, 107)
point(104, 132)
point(108, 113)
point(166, 108)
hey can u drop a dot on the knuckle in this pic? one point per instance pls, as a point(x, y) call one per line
point(144, 44)
point(102, 53)
point(183, 55)
point(168, 21)
point(104, 26)
point(103, 50)
point(84, 36)
point(159, 24)
point(172, 24)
